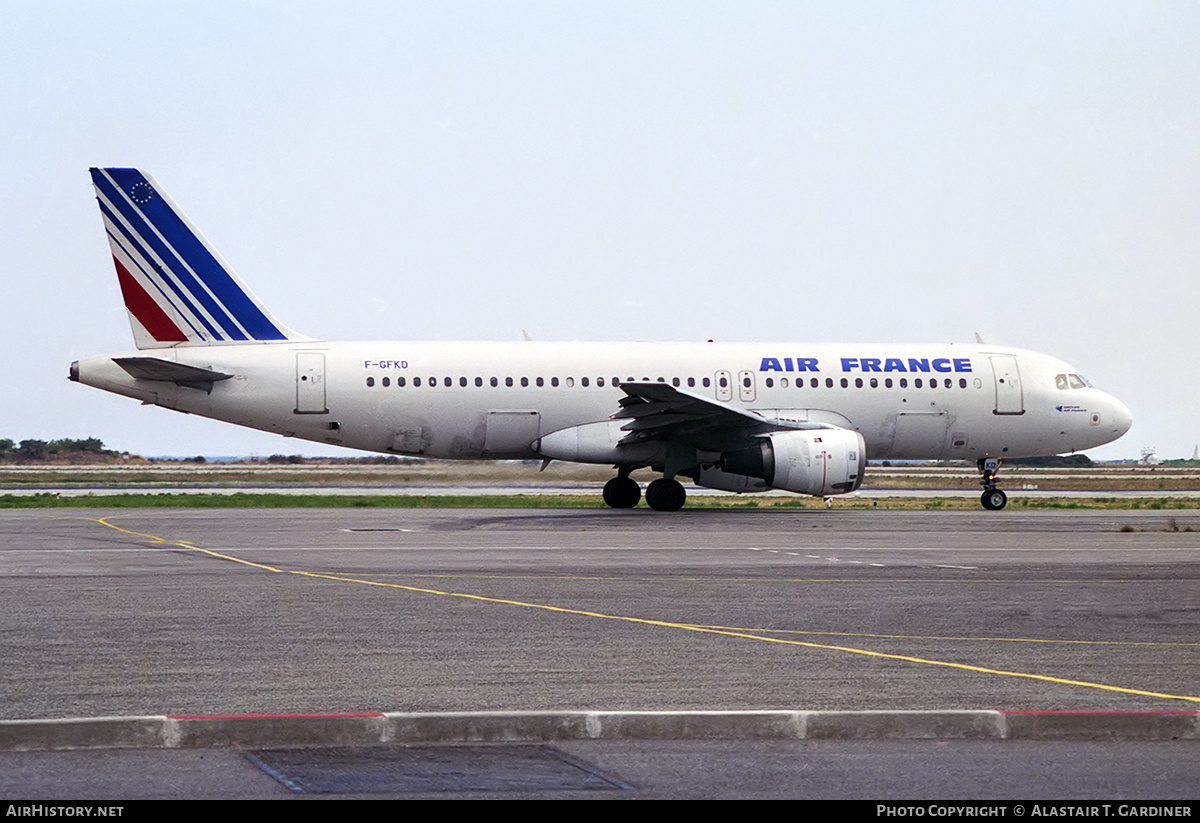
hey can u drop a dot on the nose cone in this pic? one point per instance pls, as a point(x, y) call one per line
point(1121, 417)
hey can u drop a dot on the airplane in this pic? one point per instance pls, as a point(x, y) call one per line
point(739, 417)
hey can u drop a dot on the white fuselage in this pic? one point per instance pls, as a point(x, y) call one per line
point(497, 400)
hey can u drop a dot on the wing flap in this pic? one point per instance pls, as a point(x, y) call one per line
point(660, 411)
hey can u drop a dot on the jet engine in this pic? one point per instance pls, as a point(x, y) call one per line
point(820, 462)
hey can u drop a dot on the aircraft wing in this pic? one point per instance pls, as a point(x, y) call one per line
point(658, 411)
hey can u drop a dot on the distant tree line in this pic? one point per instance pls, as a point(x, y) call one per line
point(33, 449)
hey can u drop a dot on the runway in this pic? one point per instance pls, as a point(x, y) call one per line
point(300, 610)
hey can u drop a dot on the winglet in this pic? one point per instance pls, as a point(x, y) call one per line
point(177, 288)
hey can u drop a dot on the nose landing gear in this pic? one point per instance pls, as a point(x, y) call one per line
point(993, 499)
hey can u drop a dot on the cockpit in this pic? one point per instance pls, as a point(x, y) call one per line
point(1071, 381)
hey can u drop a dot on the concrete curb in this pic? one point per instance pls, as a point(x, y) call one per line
point(216, 731)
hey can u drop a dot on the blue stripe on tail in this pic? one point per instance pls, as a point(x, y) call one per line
point(159, 227)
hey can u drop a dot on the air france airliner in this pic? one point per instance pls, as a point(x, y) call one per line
point(740, 417)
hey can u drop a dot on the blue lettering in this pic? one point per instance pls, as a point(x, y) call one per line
point(941, 364)
point(806, 364)
point(962, 364)
point(894, 364)
point(918, 364)
point(849, 363)
point(771, 364)
point(870, 364)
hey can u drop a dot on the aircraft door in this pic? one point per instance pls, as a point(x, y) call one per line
point(310, 383)
point(724, 384)
point(746, 386)
point(1009, 395)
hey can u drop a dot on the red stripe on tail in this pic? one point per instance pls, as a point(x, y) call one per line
point(142, 306)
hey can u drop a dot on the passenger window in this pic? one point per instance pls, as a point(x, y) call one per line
point(524, 382)
point(829, 382)
point(416, 381)
point(400, 382)
point(570, 382)
point(783, 383)
point(691, 382)
point(917, 383)
point(554, 382)
point(462, 381)
point(386, 382)
point(508, 381)
point(904, 382)
point(600, 382)
point(370, 382)
point(874, 383)
point(495, 382)
point(845, 383)
point(887, 382)
point(540, 382)
point(478, 382)
point(858, 382)
point(706, 382)
point(583, 381)
point(769, 382)
point(675, 382)
point(962, 382)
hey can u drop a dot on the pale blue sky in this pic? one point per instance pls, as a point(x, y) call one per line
point(799, 171)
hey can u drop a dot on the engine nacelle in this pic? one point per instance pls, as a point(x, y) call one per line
point(597, 443)
point(714, 478)
point(820, 462)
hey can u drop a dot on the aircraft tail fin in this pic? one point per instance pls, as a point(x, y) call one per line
point(178, 290)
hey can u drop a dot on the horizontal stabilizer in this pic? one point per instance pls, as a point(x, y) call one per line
point(151, 368)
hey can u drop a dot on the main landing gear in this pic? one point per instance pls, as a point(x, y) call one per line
point(664, 494)
point(622, 493)
point(993, 499)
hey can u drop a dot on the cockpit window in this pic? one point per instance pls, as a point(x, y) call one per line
point(1071, 381)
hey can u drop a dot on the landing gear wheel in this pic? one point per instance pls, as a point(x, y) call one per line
point(665, 495)
point(622, 493)
point(994, 499)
